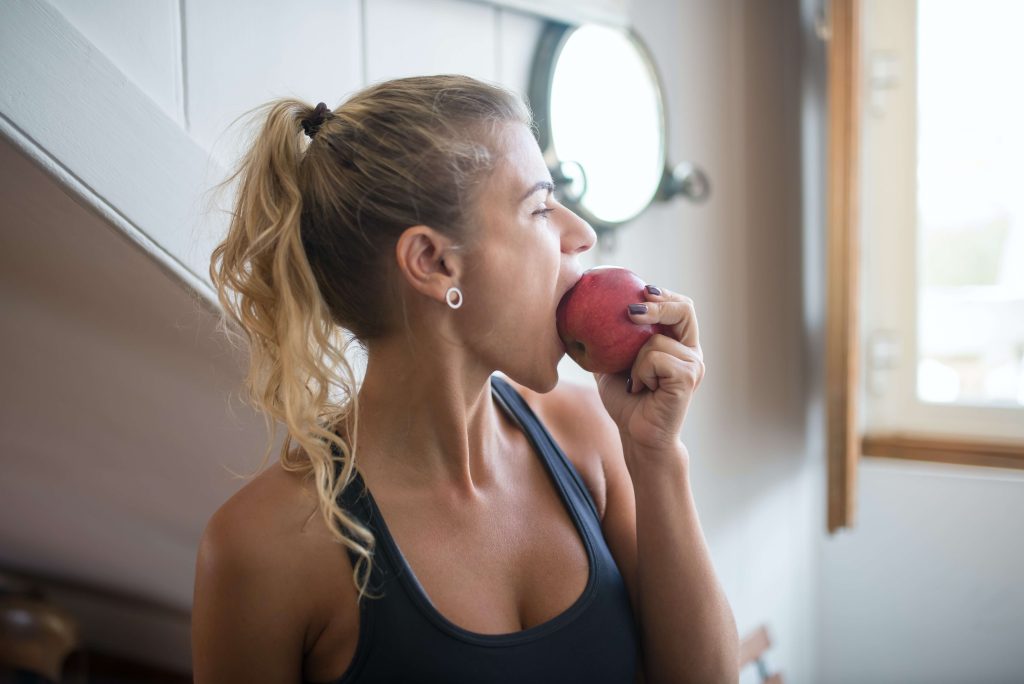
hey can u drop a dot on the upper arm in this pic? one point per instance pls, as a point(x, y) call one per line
point(246, 625)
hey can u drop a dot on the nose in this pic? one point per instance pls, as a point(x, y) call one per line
point(577, 235)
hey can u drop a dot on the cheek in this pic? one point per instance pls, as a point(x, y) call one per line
point(554, 255)
point(549, 244)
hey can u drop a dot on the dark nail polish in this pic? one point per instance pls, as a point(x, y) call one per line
point(629, 385)
point(637, 308)
point(653, 290)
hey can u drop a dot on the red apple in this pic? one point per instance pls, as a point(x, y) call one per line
point(594, 324)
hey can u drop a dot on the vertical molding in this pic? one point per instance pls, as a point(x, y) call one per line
point(363, 40)
point(183, 65)
point(179, 86)
point(842, 325)
point(499, 74)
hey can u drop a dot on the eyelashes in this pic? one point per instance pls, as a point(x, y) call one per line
point(545, 210)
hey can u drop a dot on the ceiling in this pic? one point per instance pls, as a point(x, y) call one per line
point(121, 409)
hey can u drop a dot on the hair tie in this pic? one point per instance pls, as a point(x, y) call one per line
point(311, 124)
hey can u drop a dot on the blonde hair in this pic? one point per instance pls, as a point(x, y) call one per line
point(308, 253)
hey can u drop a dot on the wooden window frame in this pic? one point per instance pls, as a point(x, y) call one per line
point(942, 449)
point(844, 444)
point(842, 361)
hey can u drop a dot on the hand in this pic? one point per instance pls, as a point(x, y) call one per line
point(666, 373)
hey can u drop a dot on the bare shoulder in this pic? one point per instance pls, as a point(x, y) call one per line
point(254, 604)
point(274, 496)
point(575, 416)
point(271, 507)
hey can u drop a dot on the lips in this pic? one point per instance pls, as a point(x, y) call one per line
point(553, 317)
point(572, 284)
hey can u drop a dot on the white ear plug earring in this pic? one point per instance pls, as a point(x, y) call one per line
point(458, 296)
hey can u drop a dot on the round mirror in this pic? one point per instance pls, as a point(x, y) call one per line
point(597, 100)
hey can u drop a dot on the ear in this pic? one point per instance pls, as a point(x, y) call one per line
point(428, 260)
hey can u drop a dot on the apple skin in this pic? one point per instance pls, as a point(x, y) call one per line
point(594, 324)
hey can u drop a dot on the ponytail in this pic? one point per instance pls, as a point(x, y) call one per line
point(267, 288)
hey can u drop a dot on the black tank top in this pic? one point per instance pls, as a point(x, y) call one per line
point(403, 638)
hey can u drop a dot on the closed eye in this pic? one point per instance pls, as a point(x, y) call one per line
point(544, 212)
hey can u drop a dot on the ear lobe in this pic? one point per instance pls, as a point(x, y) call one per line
point(424, 260)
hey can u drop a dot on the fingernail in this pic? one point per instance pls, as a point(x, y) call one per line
point(653, 290)
point(629, 385)
point(637, 308)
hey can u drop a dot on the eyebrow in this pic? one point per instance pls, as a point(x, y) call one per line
point(541, 185)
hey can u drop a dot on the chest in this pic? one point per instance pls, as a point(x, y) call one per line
point(501, 567)
point(505, 565)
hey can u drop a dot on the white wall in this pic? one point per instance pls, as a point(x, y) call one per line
point(732, 70)
point(926, 587)
point(733, 75)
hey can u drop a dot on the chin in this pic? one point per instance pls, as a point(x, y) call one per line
point(548, 386)
point(548, 381)
point(540, 380)
point(539, 374)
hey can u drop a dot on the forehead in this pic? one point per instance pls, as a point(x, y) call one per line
point(521, 164)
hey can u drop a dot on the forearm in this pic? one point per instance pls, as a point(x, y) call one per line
point(688, 630)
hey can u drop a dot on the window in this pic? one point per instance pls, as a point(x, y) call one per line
point(942, 230)
point(970, 200)
point(926, 236)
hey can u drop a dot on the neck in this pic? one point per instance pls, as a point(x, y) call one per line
point(427, 420)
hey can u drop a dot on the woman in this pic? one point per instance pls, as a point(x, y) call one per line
point(495, 528)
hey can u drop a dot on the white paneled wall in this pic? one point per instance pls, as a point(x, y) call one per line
point(410, 37)
point(142, 38)
point(241, 54)
point(207, 62)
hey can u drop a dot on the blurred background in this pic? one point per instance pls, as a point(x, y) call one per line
point(122, 420)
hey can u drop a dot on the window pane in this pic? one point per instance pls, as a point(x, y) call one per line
point(970, 202)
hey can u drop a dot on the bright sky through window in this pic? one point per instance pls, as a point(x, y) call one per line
point(970, 173)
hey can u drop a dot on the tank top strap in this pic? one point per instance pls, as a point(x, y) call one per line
point(557, 463)
point(355, 500)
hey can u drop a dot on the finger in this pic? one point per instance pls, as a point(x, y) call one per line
point(661, 370)
point(663, 295)
point(651, 374)
point(669, 345)
point(665, 343)
point(677, 314)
